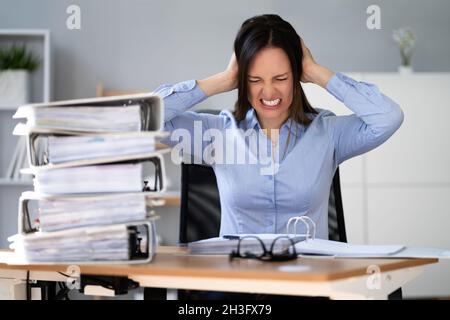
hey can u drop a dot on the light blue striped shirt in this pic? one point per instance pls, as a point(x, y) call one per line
point(252, 202)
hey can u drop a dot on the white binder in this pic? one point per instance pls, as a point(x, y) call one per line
point(71, 211)
point(151, 109)
point(132, 242)
point(38, 147)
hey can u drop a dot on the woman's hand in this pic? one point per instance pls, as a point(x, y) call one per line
point(308, 63)
point(232, 72)
point(221, 82)
point(313, 72)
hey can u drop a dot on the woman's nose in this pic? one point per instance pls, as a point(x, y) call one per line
point(268, 92)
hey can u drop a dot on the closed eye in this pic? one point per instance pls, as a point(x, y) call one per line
point(281, 79)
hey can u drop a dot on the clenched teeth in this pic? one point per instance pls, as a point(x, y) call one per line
point(271, 103)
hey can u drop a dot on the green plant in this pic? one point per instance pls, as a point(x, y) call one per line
point(405, 39)
point(17, 57)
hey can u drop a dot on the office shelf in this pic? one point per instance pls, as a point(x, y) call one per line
point(15, 182)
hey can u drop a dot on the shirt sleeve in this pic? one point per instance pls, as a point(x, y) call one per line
point(184, 124)
point(376, 117)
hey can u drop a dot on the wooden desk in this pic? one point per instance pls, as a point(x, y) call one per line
point(173, 200)
point(172, 268)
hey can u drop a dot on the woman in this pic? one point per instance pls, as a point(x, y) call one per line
point(305, 145)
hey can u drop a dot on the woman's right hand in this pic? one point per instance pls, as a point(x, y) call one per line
point(221, 82)
point(232, 72)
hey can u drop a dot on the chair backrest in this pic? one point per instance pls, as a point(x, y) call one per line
point(200, 205)
point(336, 221)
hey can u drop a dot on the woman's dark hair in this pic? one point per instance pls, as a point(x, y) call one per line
point(270, 30)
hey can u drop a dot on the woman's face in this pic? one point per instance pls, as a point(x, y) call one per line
point(270, 86)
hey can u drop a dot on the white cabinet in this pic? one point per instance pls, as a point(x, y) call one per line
point(419, 152)
point(408, 178)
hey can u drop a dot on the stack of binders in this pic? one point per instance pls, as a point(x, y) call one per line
point(98, 177)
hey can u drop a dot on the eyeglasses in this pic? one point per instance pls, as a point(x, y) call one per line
point(252, 247)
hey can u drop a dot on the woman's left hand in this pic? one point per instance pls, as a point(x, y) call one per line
point(308, 63)
point(313, 72)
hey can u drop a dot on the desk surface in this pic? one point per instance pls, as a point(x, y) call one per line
point(173, 261)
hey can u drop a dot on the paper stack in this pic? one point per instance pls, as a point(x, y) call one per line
point(98, 176)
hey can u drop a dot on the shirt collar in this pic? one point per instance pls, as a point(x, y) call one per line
point(251, 119)
point(253, 123)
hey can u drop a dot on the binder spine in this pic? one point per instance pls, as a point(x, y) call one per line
point(26, 228)
point(38, 151)
point(24, 223)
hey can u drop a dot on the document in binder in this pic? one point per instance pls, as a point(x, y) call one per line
point(227, 243)
point(304, 243)
point(131, 242)
point(54, 213)
point(90, 233)
point(139, 112)
point(140, 173)
point(56, 148)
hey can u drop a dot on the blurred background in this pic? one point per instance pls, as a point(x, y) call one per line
point(397, 193)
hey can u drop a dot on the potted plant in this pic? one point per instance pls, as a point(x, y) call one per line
point(15, 65)
point(405, 39)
